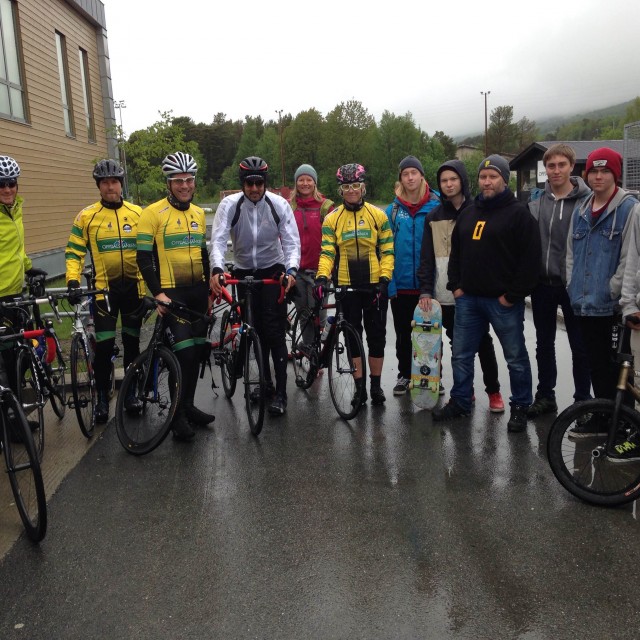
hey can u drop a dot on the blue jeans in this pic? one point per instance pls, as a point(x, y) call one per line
point(545, 301)
point(473, 316)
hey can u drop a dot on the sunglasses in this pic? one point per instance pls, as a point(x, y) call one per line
point(354, 186)
point(11, 184)
point(183, 180)
point(254, 183)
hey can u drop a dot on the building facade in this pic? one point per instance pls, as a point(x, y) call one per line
point(56, 113)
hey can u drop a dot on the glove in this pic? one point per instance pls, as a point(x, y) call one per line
point(74, 291)
point(383, 286)
point(319, 285)
point(34, 271)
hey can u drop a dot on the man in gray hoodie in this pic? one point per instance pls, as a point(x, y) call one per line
point(553, 209)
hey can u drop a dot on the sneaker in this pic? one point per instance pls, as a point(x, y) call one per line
point(360, 396)
point(377, 396)
point(441, 389)
point(402, 386)
point(450, 411)
point(278, 405)
point(517, 419)
point(102, 408)
point(198, 417)
point(627, 451)
point(182, 430)
point(132, 404)
point(269, 392)
point(595, 426)
point(496, 403)
point(542, 405)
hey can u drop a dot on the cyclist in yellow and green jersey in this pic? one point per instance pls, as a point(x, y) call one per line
point(174, 262)
point(107, 231)
point(358, 235)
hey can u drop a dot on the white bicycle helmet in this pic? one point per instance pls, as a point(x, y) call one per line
point(9, 168)
point(179, 162)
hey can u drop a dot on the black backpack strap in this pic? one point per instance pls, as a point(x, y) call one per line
point(236, 215)
point(276, 217)
point(394, 213)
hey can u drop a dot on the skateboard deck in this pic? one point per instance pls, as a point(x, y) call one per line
point(426, 352)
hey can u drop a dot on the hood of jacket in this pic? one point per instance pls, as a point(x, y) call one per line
point(457, 166)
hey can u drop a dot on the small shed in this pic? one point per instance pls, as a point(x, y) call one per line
point(530, 170)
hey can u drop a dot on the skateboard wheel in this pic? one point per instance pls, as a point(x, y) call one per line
point(413, 323)
point(436, 325)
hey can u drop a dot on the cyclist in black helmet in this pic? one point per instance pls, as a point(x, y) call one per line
point(266, 243)
point(173, 259)
point(107, 230)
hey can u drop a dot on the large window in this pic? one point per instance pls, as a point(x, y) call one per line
point(86, 93)
point(65, 89)
point(12, 102)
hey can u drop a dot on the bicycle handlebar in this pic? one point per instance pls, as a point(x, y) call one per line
point(249, 281)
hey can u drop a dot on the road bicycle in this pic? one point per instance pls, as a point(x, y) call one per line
point(591, 467)
point(238, 352)
point(22, 461)
point(338, 349)
point(40, 365)
point(155, 379)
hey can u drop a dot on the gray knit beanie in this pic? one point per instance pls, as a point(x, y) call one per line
point(410, 162)
point(497, 163)
point(305, 170)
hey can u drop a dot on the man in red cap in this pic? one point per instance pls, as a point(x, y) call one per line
point(597, 246)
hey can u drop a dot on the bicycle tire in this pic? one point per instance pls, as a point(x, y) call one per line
point(83, 385)
point(23, 468)
point(56, 371)
point(254, 385)
point(345, 346)
point(30, 395)
point(590, 477)
point(227, 356)
point(157, 382)
point(304, 356)
point(292, 316)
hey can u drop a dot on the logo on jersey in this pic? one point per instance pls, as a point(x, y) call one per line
point(126, 228)
point(477, 232)
point(360, 222)
point(194, 225)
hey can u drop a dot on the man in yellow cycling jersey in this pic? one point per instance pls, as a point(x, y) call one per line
point(359, 236)
point(173, 259)
point(107, 230)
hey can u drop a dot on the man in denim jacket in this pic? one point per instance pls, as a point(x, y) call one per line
point(596, 255)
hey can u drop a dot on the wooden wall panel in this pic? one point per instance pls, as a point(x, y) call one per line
point(56, 179)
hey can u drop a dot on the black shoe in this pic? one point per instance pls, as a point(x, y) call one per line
point(198, 417)
point(542, 405)
point(595, 426)
point(377, 396)
point(132, 404)
point(518, 419)
point(278, 405)
point(626, 451)
point(359, 397)
point(182, 430)
point(102, 408)
point(450, 411)
point(269, 392)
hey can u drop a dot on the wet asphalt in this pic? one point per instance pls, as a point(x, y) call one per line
point(388, 526)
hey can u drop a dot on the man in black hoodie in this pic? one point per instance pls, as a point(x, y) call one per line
point(453, 184)
point(494, 265)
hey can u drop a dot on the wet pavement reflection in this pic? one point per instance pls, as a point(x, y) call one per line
point(388, 526)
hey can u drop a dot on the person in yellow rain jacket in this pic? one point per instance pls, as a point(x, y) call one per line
point(107, 230)
point(358, 235)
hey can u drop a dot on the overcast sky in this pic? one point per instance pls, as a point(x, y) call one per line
point(200, 57)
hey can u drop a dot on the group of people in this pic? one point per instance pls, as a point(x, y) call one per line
point(576, 246)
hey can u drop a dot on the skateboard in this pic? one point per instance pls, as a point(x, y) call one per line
point(426, 352)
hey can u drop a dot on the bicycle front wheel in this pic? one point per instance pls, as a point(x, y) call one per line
point(254, 386)
point(303, 354)
point(582, 466)
point(83, 385)
point(23, 468)
point(345, 349)
point(31, 397)
point(155, 380)
point(227, 356)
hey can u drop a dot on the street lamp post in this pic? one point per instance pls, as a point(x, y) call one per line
point(120, 105)
point(485, 94)
point(279, 112)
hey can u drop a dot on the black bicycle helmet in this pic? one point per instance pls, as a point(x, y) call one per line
point(107, 169)
point(349, 173)
point(253, 167)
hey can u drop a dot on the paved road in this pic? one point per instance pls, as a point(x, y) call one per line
point(385, 527)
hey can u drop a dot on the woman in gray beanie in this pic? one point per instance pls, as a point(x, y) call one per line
point(309, 208)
